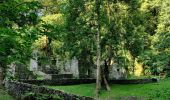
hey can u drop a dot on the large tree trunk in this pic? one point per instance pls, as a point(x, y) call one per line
point(98, 76)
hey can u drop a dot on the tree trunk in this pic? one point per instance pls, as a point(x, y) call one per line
point(106, 83)
point(98, 76)
point(1, 78)
point(48, 50)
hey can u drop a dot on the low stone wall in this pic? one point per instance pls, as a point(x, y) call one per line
point(133, 81)
point(18, 89)
point(61, 76)
point(86, 81)
point(59, 81)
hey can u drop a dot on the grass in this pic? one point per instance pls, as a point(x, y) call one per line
point(152, 91)
point(83, 89)
point(4, 95)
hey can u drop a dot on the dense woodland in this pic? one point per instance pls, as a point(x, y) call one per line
point(93, 31)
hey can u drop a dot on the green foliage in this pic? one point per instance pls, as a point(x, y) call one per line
point(130, 30)
point(16, 30)
point(18, 12)
point(157, 57)
point(39, 96)
point(6, 43)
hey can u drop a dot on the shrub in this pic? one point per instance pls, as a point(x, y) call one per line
point(39, 96)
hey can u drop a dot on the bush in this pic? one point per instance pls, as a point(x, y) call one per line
point(39, 96)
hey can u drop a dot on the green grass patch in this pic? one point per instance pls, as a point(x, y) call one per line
point(83, 89)
point(155, 91)
point(4, 95)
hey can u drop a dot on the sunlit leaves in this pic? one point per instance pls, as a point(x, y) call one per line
point(16, 31)
point(55, 19)
point(40, 43)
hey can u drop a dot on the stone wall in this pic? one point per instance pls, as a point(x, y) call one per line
point(87, 81)
point(133, 81)
point(68, 67)
point(61, 76)
point(19, 70)
point(59, 81)
point(18, 89)
point(34, 61)
point(117, 73)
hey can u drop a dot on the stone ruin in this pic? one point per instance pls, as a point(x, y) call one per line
point(70, 69)
point(19, 70)
point(34, 61)
point(66, 69)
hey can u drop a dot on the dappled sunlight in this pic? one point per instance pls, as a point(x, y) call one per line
point(138, 69)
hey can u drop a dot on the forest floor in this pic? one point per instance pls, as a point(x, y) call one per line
point(4, 95)
point(152, 91)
